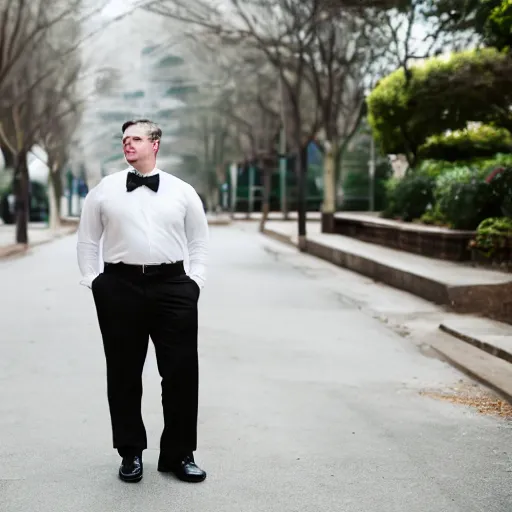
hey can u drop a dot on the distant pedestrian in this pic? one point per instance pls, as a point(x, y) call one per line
point(151, 222)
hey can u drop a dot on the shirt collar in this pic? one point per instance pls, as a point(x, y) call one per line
point(154, 171)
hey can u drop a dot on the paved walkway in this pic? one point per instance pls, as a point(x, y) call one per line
point(38, 233)
point(307, 403)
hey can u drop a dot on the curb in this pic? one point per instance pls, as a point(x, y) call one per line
point(18, 250)
point(215, 222)
point(479, 298)
point(12, 250)
point(278, 236)
point(475, 342)
point(420, 286)
point(487, 373)
point(465, 354)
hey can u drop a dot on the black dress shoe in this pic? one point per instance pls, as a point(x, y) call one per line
point(185, 469)
point(131, 469)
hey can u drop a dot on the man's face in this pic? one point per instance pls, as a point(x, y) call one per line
point(137, 146)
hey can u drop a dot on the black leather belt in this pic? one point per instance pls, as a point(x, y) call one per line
point(164, 269)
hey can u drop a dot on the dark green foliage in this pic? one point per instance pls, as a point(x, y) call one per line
point(461, 145)
point(440, 95)
point(409, 198)
point(465, 205)
point(494, 239)
point(356, 187)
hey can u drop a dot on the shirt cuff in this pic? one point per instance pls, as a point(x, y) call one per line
point(87, 280)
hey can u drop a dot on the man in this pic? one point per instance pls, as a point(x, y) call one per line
point(151, 222)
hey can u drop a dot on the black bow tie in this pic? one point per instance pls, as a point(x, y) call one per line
point(134, 181)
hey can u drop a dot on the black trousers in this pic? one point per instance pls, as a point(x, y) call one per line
point(132, 307)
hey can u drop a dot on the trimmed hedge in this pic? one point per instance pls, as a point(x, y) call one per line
point(484, 141)
point(460, 197)
point(444, 93)
point(409, 198)
point(493, 234)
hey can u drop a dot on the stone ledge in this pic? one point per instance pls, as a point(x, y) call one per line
point(13, 250)
point(492, 337)
point(475, 291)
point(436, 242)
point(492, 372)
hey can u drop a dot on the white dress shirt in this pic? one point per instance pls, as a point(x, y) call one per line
point(143, 227)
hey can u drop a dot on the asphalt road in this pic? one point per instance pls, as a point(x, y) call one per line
point(306, 403)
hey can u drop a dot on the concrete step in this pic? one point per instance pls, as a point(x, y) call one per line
point(462, 288)
point(478, 347)
point(491, 371)
point(492, 337)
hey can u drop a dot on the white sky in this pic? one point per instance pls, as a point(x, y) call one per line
point(117, 7)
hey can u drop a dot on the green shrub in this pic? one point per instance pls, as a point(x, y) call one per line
point(455, 175)
point(436, 212)
point(409, 197)
point(493, 234)
point(466, 204)
point(434, 216)
point(443, 93)
point(433, 168)
point(498, 25)
point(500, 181)
point(466, 144)
point(356, 187)
point(463, 193)
point(483, 166)
point(499, 160)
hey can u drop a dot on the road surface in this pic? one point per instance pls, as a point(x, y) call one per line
point(307, 403)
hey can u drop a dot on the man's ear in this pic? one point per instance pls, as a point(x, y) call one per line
point(156, 146)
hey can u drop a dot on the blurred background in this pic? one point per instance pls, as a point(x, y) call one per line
point(375, 135)
point(266, 106)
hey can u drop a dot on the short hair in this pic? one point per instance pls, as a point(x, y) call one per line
point(154, 132)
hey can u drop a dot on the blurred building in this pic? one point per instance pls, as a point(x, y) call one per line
point(155, 88)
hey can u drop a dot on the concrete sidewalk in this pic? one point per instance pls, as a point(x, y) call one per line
point(307, 403)
point(38, 233)
point(481, 347)
point(463, 288)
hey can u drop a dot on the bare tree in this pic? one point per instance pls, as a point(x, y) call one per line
point(56, 132)
point(419, 29)
point(283, 34)
point(41, 72)
point(24, 25)
point(254, 110)
point(341, 57)
point(232, 116)
point(322, 52)
point(32, 92)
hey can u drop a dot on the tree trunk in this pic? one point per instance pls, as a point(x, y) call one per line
point(9, 157)
point(267, 186)
point(329, 204)
point(21, 193)
point(55, 195)
point(211, 199)
point(301, 169)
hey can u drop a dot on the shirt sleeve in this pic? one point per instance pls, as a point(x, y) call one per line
point(196, 230)
point(90, 231)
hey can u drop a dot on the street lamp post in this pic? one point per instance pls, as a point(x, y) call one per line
point(282, 157)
